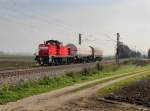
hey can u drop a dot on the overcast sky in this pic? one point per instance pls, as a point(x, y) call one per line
point(26, 23)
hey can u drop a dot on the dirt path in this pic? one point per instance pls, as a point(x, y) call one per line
point(53, 100)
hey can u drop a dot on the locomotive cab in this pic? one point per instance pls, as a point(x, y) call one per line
point(52, 52)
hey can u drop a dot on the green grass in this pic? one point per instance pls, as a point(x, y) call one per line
point(10, 93)
point(108, 57)
point(119, 85)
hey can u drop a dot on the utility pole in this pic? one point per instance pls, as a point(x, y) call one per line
point(117, 49)
point(135, 52)
point(80, 39)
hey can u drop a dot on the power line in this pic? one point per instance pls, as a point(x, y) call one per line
point(110, 39)
point(37, 15)
point(39, 18)
point(32, 16)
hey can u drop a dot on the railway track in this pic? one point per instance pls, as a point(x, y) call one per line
point(5, 72)
point(21, 75)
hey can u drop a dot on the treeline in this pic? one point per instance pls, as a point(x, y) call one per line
point(126, 52)
point(1, 52)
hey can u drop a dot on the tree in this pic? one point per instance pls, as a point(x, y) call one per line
point(138, 54)
point(1, 52)
point(126, 52)
point(149, 53)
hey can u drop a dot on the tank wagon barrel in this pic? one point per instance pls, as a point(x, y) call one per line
point(79, 50)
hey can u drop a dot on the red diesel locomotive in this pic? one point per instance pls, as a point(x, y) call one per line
point(53, 52)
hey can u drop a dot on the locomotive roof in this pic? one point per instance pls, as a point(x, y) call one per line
point(53, 41)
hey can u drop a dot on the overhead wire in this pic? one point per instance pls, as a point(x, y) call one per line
point(50, 22)
point(40, 18)
point(37, 16)
point(110, 39)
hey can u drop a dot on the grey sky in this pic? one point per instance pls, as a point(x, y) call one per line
point(26, 23)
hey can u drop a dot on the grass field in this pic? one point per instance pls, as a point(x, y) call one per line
point(13, 92)
point(16, 57)
point(9, 62)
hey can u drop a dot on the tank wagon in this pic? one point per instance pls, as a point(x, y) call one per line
point(53, 52)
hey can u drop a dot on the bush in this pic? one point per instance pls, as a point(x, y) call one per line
point(126, 62)
point(110, 67)
point(1, 91)
point(85, 71)
point(99, 66)
point(5, 87)
point(140, 62)
point(45, 80)
point(115, 67)
point(70, 74)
